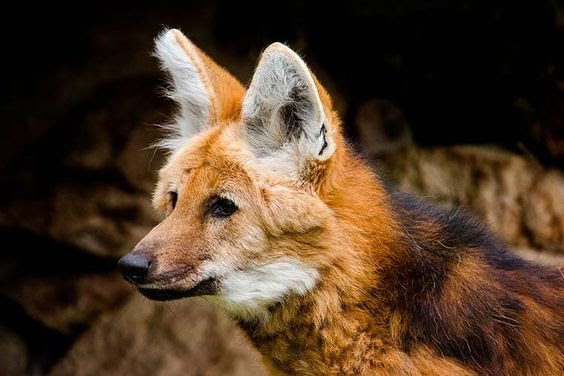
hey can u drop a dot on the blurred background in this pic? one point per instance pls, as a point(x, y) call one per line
point(459, 101)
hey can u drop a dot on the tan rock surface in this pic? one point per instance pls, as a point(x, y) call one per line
point(187, 337)
point(66, 302)
point(522, 201)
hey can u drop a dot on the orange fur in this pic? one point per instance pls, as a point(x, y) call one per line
point(363, 316)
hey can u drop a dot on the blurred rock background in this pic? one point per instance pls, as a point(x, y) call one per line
point(461, 102)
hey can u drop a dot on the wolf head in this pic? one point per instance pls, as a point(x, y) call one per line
point(246, 189)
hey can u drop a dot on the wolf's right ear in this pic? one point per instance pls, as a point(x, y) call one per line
point(289, 123)
point(205, 92)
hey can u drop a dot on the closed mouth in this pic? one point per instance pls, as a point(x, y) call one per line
point(205, 287)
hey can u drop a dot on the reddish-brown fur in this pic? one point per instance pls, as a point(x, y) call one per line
point(405, 288)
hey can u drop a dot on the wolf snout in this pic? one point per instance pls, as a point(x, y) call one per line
point(134, 267)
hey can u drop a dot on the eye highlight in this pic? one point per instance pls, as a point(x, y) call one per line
point(172, 198)
point(222, 207)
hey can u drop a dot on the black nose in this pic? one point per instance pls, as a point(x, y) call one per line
point(134, 267)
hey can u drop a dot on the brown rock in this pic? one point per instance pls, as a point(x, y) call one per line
point(88, 182)
point(547, 258)
point(66, 302)
point(188, 337)
point(382, 127)
point(521, 201)
point(13, 353)
point(138, 160)
point(102, 219)
point(544, 208)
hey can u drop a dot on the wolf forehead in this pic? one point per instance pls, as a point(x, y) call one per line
point(220, 157)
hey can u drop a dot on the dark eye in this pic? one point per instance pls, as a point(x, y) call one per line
point(222, 208)
point(172, 198)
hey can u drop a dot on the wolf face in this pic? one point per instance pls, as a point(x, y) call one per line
point(243, 191)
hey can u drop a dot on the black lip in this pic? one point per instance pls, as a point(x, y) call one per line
point(206, 287)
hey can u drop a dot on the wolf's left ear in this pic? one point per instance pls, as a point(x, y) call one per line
point(205, 92)
point(284, 115)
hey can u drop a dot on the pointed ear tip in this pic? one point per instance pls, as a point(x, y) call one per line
point(165, 33)
point(172, 36)
point(173, 42)
point(278, 47)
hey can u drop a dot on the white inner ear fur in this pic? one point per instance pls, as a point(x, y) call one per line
point(247, 293)
point(282, 83)
point(187, 89)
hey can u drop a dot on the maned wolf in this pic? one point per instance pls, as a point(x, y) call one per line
point(270, 214)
